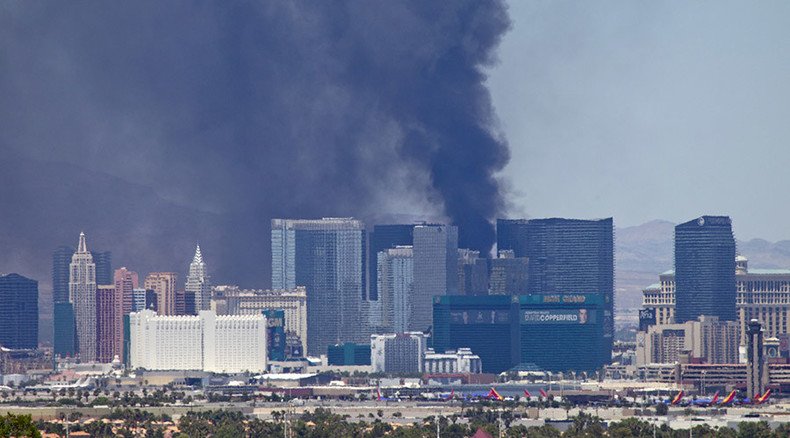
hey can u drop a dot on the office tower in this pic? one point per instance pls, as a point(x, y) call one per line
point(508, 274)
point(435, 270)
point(385, 237)
point(82, 295)
point(567, 256)
point(395, 275)
point(327, 257)
point(164, 284)
point(126, 282)
point(511, 234)
point(756, 367)
point(65, 330)
point(180, 307)
point(103, 262)
point(61, 260)
point(230, 300)
point(63, 312)
point(138, 300)
point(472, 273)
point(705, 269)
point(398, 353)
point(109, 323)
point(198, 282)
point(19, 312)
point(205, 342)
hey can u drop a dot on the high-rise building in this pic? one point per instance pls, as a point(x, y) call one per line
point(198, 282)
point(567, 256)
point(109, 323)
point(164, 284)
point(65, 330)
point(472, 273)
point(398, 353)
point(126, 282)
point(61, 260)
point(19, 312)
point(138, 299)
point(103, 262)
point(327, 257)
point(435, 270)
point(508, 274)
point(762, 294)
point(63, 312)
point(207, 342)
point(395, 275)
point(230, 300)
point(705, 269)
point(82, 294)
point(382, 238)
point(511, 234)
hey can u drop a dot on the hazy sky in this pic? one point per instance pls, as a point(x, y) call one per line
point(649, 110)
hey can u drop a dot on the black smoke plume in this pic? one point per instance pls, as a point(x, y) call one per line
point(151, 125)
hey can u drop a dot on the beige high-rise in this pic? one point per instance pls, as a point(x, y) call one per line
point(164, 284)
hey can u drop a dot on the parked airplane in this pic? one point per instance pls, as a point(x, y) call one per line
point(494, 395)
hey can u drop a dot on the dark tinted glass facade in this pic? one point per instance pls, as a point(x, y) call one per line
point(705, 269)
point(18, 312)
point(482, 323)
point(348, 354)
point(563, 332)
point(104, 272)
point(61, 259)
point(567, 256)
point(511, 234)
point(65, 341)
point(385, 237)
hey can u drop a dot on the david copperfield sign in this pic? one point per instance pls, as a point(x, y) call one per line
point(558, 316)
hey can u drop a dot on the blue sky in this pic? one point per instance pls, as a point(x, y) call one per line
point(648, 110)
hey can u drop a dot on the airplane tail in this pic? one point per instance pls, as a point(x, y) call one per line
point(452, 394)
point(543, 393)
point(378, 394)
point(730, 397)
point(763, 398)
point(494, 395)
point(527, 394)
point(678, 398)
point(715, 398)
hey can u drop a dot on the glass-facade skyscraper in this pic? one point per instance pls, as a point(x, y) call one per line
point(396, 287)
point(61, 259)
point(19, 312)
point(327, 257)
point(705, 269)
point(382, 238)
point(567, 256)
point(104, 271)
point(435, 270)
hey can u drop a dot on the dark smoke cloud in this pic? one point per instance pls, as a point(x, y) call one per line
point(154, 124)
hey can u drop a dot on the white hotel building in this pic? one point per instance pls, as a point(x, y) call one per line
point(206, 342)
